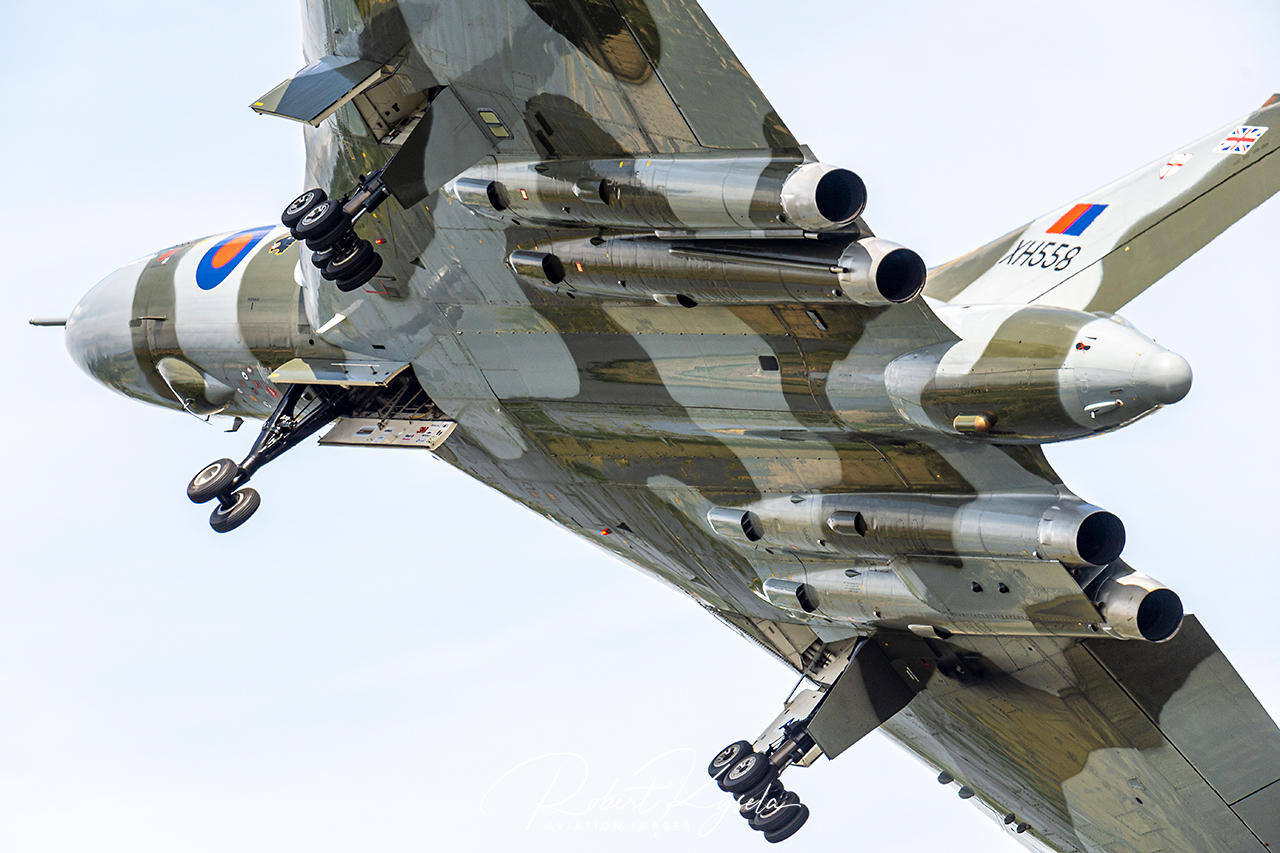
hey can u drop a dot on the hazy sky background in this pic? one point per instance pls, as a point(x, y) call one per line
point(391, 657)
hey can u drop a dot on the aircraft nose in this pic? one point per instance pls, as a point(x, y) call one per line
point(1163, 377)
point(98, 335)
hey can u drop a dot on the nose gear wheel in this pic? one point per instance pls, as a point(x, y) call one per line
point(302, 411)
point(235, 511)
point(215, 479)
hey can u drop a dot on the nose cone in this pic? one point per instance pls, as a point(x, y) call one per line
point(98, 335)
point(1162, 377)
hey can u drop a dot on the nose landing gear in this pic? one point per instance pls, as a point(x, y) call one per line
point(287, 426)
point(328, 227)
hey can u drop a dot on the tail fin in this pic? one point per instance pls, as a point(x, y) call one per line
point(1100, 252)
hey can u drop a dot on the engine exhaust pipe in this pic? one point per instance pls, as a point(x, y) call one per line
point(1135, 606)
point(790, 595)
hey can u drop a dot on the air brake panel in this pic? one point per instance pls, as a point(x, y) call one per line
point(319, 90)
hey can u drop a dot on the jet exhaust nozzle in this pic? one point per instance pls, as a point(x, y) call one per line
point(1134, 606)
point(733, 523)
point(1081, 533)
point(877, 271)
point(539, 265)
point(817, 197)
point(790, 595)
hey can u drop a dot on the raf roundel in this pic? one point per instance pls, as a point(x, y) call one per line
point(225, 255)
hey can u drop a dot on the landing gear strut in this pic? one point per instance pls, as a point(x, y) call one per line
point(753, 779)
point(328, 227)
point(288, 425)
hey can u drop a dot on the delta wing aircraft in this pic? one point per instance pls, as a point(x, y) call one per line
point(568, 247)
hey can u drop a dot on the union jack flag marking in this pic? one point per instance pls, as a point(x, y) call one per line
point(1240, 140)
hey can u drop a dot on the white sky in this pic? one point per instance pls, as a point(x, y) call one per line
point(390, 656)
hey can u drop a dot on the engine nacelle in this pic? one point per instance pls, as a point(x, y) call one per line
point(1135, 606)
point(747, 193)
point(879, 527)
point(867, 271)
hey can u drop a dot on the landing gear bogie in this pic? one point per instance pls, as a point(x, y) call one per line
point(330, 239)
point(753, 778)
point(328, 227)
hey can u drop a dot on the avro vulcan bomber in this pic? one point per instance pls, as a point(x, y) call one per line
point(568, 247)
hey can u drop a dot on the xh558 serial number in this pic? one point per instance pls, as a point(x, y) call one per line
point(1045, 254)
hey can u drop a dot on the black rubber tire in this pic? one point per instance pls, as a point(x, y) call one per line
point(750, 802)
point(214, 479)
point(300, 205)
point(777, 812)
point(244, 504)
point(349, 259)
point(331, 239)
point(784, 832)
point(320, 260)
point(360, 279)
point(726, 757)
point(747, 773)
point(323, 225)
point(765, 787)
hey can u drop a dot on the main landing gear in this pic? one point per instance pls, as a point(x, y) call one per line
point(288, 425)
point(328, 227)
point(753, 779)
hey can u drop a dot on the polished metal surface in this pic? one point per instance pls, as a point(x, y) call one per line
point(730, 191)
point(817, 197)
point(790, 595)
point(1035, 374)
point(733, 523)
point(1136, 606)
point(881, 526)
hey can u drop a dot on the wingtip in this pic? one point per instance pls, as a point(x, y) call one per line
point(1274, 99)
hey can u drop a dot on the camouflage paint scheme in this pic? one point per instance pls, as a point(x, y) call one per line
point(633, 417)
